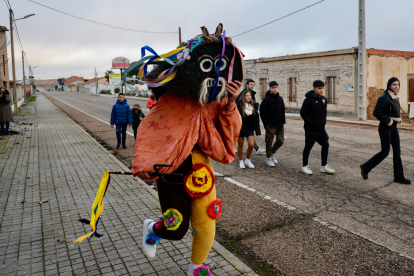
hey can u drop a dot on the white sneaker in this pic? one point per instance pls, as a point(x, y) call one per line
point(269, 162)
point(327, 169)
point(248, 163)
point(241, 164)
point(149, 250)
point(306, 170)
point(260, 151)
point(274, 158)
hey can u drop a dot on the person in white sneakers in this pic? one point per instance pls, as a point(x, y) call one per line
point(250, 84)
point(272, 112)
point(248, 109)
point(313, 112)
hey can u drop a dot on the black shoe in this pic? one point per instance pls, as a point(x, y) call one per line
point(402, 181)
point(364, 172)
point(124, 146)
point(117, 146)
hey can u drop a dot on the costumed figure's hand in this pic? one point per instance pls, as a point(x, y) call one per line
point(257, 134)
point(234, 90)
point(143, 175)
point(112, 126)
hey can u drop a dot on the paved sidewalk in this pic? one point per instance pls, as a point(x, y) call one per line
point(54, 159)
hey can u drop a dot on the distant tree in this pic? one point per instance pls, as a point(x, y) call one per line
point(61, 81)
point(107, 74)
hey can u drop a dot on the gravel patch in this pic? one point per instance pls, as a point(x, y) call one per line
point(308, 248)
point(246, 213)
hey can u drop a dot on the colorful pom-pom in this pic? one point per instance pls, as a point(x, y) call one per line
point(202, 271)
point(172, 219)
point(152, 239)
point(215, 208)
point(200, 181)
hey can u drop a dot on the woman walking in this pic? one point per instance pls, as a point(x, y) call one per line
point(250, 118)
point(387, 111)
point(6, 114)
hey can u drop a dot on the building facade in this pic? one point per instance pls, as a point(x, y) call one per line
point(295, 75)
point(4, 65)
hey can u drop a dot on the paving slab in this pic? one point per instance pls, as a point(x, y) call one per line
point(54, 159)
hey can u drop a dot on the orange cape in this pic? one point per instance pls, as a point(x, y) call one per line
point(175, 125)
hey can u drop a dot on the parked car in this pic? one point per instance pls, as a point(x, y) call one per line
point(37, 90)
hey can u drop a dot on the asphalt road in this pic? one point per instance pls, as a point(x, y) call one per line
point(376, 209)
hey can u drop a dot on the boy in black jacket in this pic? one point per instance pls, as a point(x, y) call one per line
point(313, 112)
point(272, 112)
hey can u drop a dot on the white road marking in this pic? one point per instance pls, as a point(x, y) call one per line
point(323, 222)
point(132, 134)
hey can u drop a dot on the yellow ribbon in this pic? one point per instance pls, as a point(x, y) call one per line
point(97, 207)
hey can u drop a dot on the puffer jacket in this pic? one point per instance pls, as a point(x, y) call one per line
point(387, 108)
point(272, 110)
point(6, 114)
point(121, 113)
point(314, 112)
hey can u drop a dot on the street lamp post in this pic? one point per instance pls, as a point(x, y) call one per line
point(13, 66)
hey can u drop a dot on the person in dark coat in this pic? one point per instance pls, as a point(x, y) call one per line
point(314, 112)
point(6, 114)
point(272, 112)
point(387, 111)
point(250, 84)
point(248, 110)
point(121, 116)
point(137, 117)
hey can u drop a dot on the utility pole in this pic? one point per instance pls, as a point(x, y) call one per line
point(179, 35)
point(362, 64)
point(13, 67)
point(24, 79)
point(96, 79)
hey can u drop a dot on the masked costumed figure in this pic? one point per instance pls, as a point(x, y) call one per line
point(195, 119)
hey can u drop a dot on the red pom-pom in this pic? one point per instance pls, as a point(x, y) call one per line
point(215, 208)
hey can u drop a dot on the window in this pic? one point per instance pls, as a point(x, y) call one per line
point(292, 89)
point(331, 90)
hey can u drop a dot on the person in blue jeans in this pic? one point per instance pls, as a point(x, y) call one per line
point(6, 114)
point(121, 117)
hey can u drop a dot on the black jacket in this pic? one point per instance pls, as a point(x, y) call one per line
point(253, 93)
point(387, 108)
point(313, 112)
point(272, 111)
point(251, 122)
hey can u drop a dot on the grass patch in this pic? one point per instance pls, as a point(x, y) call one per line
point(262, 270)
point(32, 99)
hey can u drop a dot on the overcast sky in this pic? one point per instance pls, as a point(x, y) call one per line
point(62, 46)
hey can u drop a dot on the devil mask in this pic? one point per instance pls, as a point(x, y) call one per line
point(200, 67)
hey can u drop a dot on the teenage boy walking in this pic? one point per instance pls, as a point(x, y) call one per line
point(313, 112)
point(121, 117)
point(250, 84)
point(272, 112)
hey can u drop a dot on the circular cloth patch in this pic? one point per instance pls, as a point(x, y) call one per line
point(214, 209)
point(200, 181)
point(202, 271)
point(172, 219)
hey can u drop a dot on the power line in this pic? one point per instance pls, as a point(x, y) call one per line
point(278, 18)
point(99, 23)
point(7, 4)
